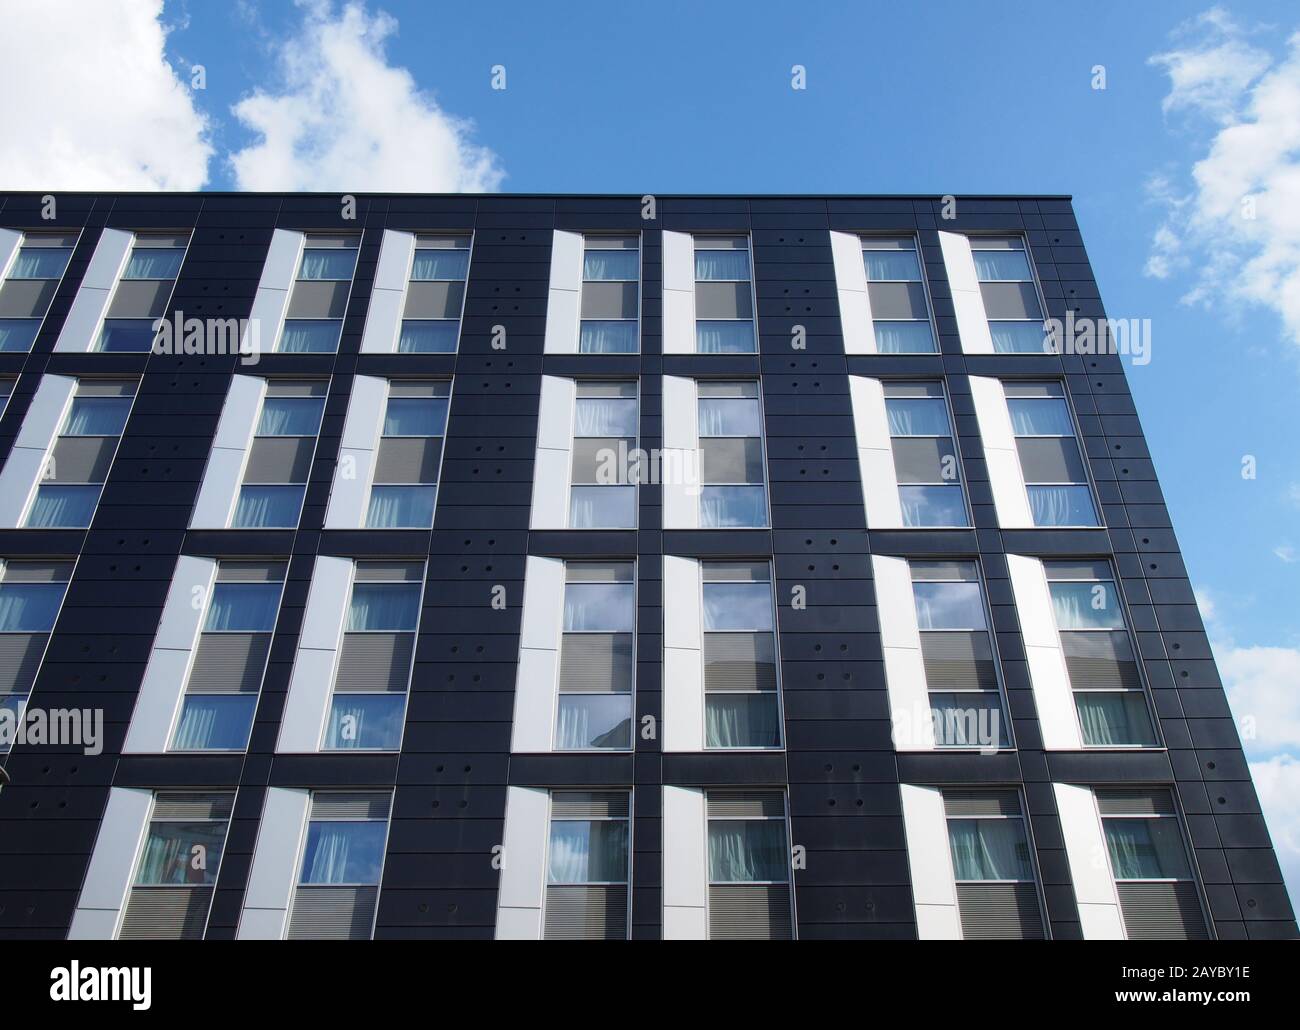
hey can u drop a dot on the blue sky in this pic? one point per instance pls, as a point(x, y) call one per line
point(920, 98)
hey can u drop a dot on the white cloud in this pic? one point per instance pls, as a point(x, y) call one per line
point(1263, 685)
point(343, 118)
point(1205, 602)
point(1293, 494)
point(88, 100)
point(1236, 217)
point(1285, 552)
point(1277, 781)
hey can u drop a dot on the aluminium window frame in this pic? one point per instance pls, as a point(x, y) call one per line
point(297, 278)
point(640, 297)
point(631, 845)
point(574, 438)
point(925, 290)
point(449, 380)
point(1023, 237)
point(946, 398)
point(753, 293)
point(789, 853)
point(1075, 425)
point(757, 382)
point(472, 234)
point(58, 283)
point(5, 562)
point(266, 395)
point(97, 337)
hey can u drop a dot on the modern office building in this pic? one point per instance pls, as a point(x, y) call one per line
point(623, 567)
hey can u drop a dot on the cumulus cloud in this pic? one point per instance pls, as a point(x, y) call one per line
point(1235, 218)
point(1263, 685)
point(343, 118)
point(1286, 553)
point(89, 101)
point(1277, 781)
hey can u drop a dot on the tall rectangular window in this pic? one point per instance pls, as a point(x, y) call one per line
point(993, 864)
point(724, 296)
point(604, 437)
point(926, 463)
point(611, 295)
point(1099, 655)
point(749, 866)
point(225, 677)
point(435, 295)
point(375, 658)
point(31, 594)
point(1010, 294)
point(171, 893)
point(900, 310)
point(733, 494)
point(405, 485)
point(597, 657)
point(1050, 459)
point(319, 297)
point(957, 650)
point(143, 291)
point(588, 859)
point(342, 861)
point(28, 289)
point(78, 466)
point(742, 705)
point(279, 461)
point(1149, 862)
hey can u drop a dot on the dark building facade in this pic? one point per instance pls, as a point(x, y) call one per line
point(557, 566)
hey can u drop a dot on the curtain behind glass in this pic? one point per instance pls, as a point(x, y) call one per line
point(439, 264)
point(932, 506)
point(343, 852)
point(18, 334)
point(384, 606)
point(215, 722)
point(97, 416)
point(428, 336)
point(308, 336)
point(593, 721)
point(747, 850)
point(1061, 505)
point(606, 265)
point(169, 853)
point(602, 507)
point(290, 416)
point(721, 265)
point(989, 849)
point(1019, 338)
point(243, 607)
point(63, 507)
point(608, 336)
point(599, 607)
point(741, 720)
point(1113, 718)
point(917, 416)
point(1086, 605)
point(948, 606)
point(40, 263)
point(401, 507)
point(1039, 417)
point(732, 507)
point(737, 606)
point(904, 337)
point(268, 507)
point(1001, 265)
point(605, 416)
point(416, 416)
point(886, 265)
point(153, 263)
point(720, 416)
point(724, 337)
point(588, 852)
point(327, 264)
point(29, 607)
point(1146, 849)
point(366, 721)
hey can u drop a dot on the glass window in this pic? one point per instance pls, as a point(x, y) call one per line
point(1086, 605)
point(917, 416)
point(1001, 265)
point(892, 265)
point(215, 722)
point(127, 335)
point(154, 263)
point(268, 507)
point(331, 263)
point(588, 851)
point(29, 607)
point(949, 606)
point(990, 849)
point(428, 336)
point(722, 265)
point(97, 416)
point(602, 507)
point(365, 722)
point(748, 851)
point(730, 416)
point(290, 416)
point(343, 852)
point(243, 608)
point(605, 416)
point(390, 607)
point(737, 606)
point(714, 337)
point(310, 336)
point(416, 416)
point(436, 264)
point(599, 607)
point(903, 337)
point(1146, 849)
point(40, 263)
point(1046, 416)
point(401, 507)
point(611, 266)
point(181, 853)
point(63, 507)
point(18, 334)
point(589, 722)
point(608, 336)
point(932, 505)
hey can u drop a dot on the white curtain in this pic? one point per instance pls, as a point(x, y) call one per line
point(989, 849)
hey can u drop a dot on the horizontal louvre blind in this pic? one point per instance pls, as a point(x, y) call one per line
point(999, 911)
point(408, 459)
point(166, 913)
point(350, 805)
point(229, 663)
point(586, 913)
point(181, 805)
point(280, 459)
point(333, 913)
point(749, 911)
point(740, 804)
point(1100, 660)
point(106, 388)
point(596, 662)
point(958, 661)
point(1122, 801)
point(371, 662)
point(972, 804)
point(389, 571)
point(739, 661)
point(1162, 911)
point(37, 571)
point(250, 572)
point(582, 804)
point(20, 657)
point(82, 459)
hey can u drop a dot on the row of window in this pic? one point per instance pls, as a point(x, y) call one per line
point(588, 857)
point(739, 655)
point(724, 313)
